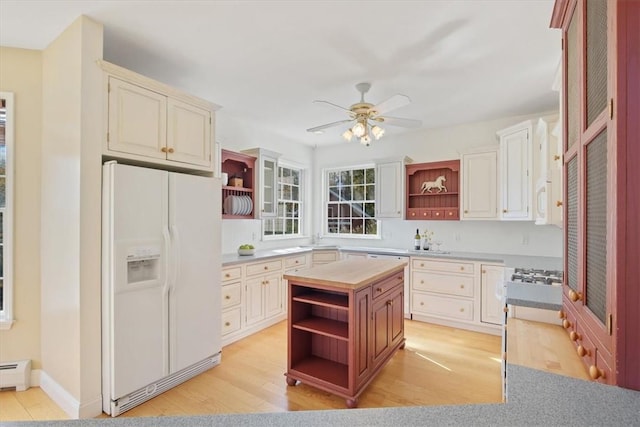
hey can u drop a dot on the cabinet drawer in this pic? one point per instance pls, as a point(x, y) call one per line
point(295, 261)
point(231, 273)
point(324, 256)
point(419, 213)
point(231, 321)
point(443, 283)
point(446, 266)
point(442, 306)
point(231, 295)
point(387, 284)
point(263, 267)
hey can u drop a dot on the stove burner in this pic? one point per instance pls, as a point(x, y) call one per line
point(531, 275)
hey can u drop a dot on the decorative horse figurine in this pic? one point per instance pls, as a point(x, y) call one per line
point(428, 185)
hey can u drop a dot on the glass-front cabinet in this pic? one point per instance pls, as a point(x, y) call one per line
point(267, 181)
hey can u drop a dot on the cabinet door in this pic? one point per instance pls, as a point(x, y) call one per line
point(137, 120)
point(389, 190)
point(490, 286)
point(254, 305)
point(363, 335)
point(273, 295)
point(381, 333)
point(189, 134)
point(516, 180)
point(480, 185)
point(396, 320)
point(268, 182)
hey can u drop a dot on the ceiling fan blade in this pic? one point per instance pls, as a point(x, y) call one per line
point(397, 121)
point(333, 105)
point(396, 101)
point(328, 125)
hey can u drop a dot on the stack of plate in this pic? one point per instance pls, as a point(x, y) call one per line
point(238, 205)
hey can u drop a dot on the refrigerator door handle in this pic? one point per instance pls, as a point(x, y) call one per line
point(175, 255)
point(167, 256)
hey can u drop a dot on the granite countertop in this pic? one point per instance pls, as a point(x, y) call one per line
point(524, 261)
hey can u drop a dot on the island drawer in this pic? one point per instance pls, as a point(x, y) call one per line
point(231, 273)
point(446, 266)
point(443, 283)
point(263, 267)
point(231, 295)
point(295, 261)
point(385, 285)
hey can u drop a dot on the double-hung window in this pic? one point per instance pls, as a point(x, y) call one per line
point(6, 209)
point(288, 219)
point(350, 203)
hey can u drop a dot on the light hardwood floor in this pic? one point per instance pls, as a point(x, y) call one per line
point(439, 366)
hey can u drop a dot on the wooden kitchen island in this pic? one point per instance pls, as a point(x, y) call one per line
point(346, 320)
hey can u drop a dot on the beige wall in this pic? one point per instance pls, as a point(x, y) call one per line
point(21, 73)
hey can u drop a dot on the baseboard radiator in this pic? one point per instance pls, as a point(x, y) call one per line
point(139, 396)
point(15, 374)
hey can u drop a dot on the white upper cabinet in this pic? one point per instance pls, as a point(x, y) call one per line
point(480, 184)
point(516, 166)
point(267, 181)
point(150, 122)
point(390, 187)
point(548, 169)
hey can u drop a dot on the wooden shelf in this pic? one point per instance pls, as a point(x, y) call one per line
point(242, 189)
point(443, 205)
point(242, 166)
point(327, 327)
point(453, 193)
point(334, 373)
point(340, 302)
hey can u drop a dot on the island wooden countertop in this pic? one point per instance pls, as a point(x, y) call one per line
point(347, 274)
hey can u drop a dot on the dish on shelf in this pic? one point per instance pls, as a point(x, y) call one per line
point(245, 252)
point(237, 205)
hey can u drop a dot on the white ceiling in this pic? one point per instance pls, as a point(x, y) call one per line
point(265, 62)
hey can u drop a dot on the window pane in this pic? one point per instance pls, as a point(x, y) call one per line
point(1, 227)
point(332, 210)
point(358, 176)
point(345, 177)
point(371, 192)
point(371, 176)
point(332, 226)
point(268, 227)
point(345, 210)
point(358, 226)
point(286, 192)
point(295, 226)
point(357, 209)
point(1, 261)
point(295, 194)
point(371, 226)
point(358, 192)
point(334, 194)
point(345, 193)
point(370, 210)
point(333, 178)
point(2, 192)
point(345, 227)
point(3, 157)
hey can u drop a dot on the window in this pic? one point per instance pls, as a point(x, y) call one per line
point(350, 202)
point(288, 219)
point(6, 208)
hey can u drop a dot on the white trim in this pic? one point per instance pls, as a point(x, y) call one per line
point(66, 401)
point(6, 315)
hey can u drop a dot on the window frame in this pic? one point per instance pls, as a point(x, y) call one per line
point(6, 313)
point(326, 201)
point(302, 200)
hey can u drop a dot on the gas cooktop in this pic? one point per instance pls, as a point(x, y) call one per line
point(530, 275)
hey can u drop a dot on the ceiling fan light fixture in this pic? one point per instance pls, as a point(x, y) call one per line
point(377, 131)
point(347, 135)
point(365, 140)
point(359, 129)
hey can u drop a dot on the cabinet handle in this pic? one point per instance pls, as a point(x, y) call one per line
point(583, 351)
point(389, 302)
point(378, 289)
point(227, 297)
point(558, 203)
point(566, 324)
point(595, 373)
point(163, 149)
point(574, 296)
point(266, 282)
point(170, 150)
point(575, 336)
point(505, 310)
point(227, 324)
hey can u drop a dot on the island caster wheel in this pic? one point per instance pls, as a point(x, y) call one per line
point(352, 403)
point(291, 381)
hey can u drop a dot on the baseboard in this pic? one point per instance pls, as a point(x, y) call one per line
point(488, 328)
point(243, 333)
point(66, 401)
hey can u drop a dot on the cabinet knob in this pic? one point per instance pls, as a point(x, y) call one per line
point(505, 310)
point(297, 262)
point(461, 268)
point(227, 324)
point(450, 213)
point(413, 214)
point(583, 351)
point(398, 212)
point(437, 213)
point(562, 314)
point(266, 268)
point(575, 336)
point(574, 296)
point(378, 289)
point(566, 324)
point(556, 157)
point(227, 297)
point(422, 282)
point(462, 310)
point(425, 214)
point(461, 286)
point(421, 303)
point(504, 211)
point(484, 271)
point(558, 203)
point(389, 302)
point(466, 211)
point(163, 149)
point(227, 275)
point(266, 282)
point(595, 372)
point(422, 264)
point(170, 150)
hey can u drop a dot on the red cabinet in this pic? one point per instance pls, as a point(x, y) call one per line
point(433, 190)
point(240, 171)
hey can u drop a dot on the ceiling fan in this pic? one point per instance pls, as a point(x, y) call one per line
point(367, 117)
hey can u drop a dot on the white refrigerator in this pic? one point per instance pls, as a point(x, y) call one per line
point(161, 310)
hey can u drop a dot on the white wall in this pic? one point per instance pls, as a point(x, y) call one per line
point(434, 145)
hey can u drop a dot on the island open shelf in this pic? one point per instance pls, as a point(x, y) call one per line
point(345, 322)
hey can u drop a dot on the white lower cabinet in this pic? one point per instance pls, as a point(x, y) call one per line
point(449, 292)
point(491, 285)
point(264, 298)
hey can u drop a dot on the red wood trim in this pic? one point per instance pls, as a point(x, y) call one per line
point(558, 15)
